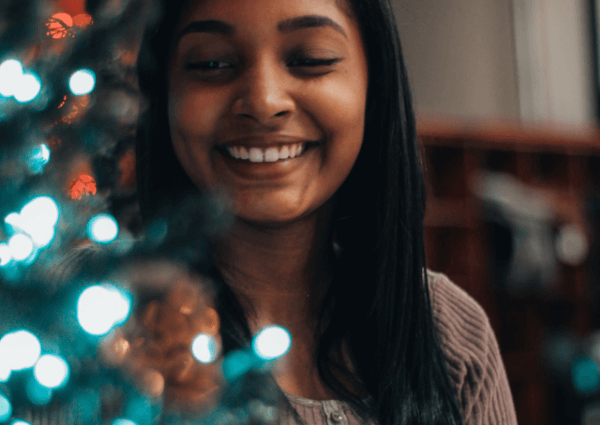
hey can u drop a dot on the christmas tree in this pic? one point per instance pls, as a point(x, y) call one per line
point(102, 321)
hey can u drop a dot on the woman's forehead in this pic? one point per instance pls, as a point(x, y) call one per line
point(259, 12)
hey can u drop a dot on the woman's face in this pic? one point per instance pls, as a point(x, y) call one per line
point(247, 75)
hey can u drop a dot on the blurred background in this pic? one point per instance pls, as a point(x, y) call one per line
point(506, 96)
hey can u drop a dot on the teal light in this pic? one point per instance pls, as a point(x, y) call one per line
point(51, 371)
point(39, 158)
point(204, 348)
point(102, 228)
point(27, 88)
point(238, 363)
point(584, 374)
point(5, 256)
point(121, 421)
point(102, 307)
point(11, 71)
point(5, 408)
point(37, 393)
point(272, 342)
point(82, 82)
point(19, 350)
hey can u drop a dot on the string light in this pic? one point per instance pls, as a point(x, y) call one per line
point(27, 87)
point(51, 371)
point(82, 82)
point(5, 408)
point(5, 254)
point(204, 348)
point(102, 307)
point(19, 350)
point(11, 71)
point(103, 228)
point(272, 342)
point(39, 158)
point(20, 246)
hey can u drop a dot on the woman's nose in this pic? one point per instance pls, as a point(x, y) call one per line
point(264, 92)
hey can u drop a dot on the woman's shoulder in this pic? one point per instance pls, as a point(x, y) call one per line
point(464, 326)
point(472, 353)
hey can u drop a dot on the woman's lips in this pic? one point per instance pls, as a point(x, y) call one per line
point(265, 170)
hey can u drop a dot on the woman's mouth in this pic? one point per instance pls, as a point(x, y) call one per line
point(271, 154)
point(273, 163)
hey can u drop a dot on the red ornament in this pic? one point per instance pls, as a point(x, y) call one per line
point(84, 184)
point(59, 25)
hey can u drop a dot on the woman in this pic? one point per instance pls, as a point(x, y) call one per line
point(307, 126)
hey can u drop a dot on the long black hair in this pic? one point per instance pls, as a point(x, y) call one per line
point(379, 301)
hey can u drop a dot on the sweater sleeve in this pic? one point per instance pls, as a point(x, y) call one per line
point(473, 355)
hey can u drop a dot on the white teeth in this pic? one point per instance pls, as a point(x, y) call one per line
point(284, 153)
point(256, 155)
point(266, 155)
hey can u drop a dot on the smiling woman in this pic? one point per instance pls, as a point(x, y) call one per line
point(299, 111)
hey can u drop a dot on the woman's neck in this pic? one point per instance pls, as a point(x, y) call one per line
point(282, 271)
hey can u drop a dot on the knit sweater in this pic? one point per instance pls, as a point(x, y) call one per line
point(475, 365)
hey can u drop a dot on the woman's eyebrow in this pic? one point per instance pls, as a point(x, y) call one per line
point(285, 27)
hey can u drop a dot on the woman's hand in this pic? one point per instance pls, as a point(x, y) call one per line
point(155, 345)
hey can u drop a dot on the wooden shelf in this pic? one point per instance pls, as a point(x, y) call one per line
point(560, 166)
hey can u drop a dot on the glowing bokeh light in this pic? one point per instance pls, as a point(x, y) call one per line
point(5, 408)
point(27, 88)
point(39, 158)
point(5, 257)
point(101, 307)
point(103, 228)
point(121, 421)
point(11, 72)
point(20, 422)
point(204, 348)
point(82, 82)
point(37, 393)
point(237, 363)
point(20, 246)
point(41, 208)
point(4, 372)
point(584, 374)
point(51, 371)
point(84, 184)
point(19, 350)
point(272, 342)
point(59, 25)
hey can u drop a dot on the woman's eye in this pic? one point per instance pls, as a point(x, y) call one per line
point(204, 66)
point(315, 62)
point(302, 62)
